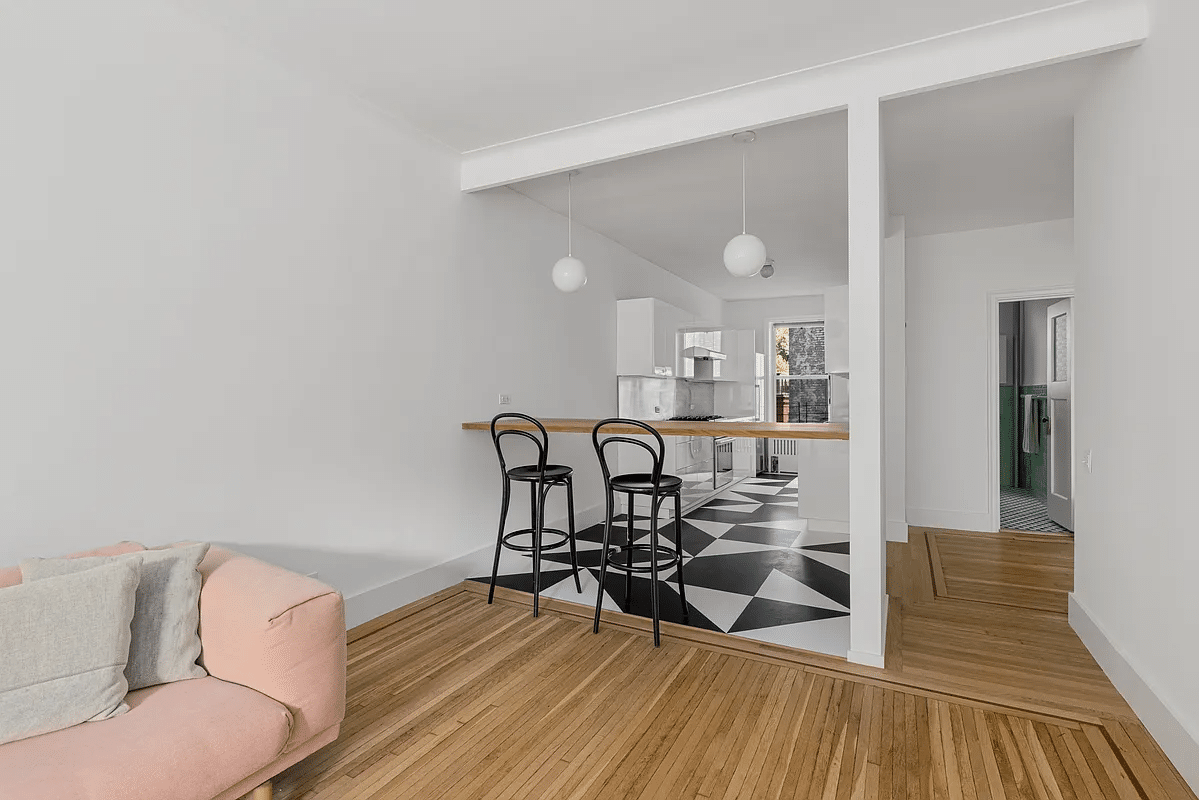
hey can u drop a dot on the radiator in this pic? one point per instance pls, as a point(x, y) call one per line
point(786, 451)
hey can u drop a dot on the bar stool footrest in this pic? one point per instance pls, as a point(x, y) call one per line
point(563, 538)
point(668, 558)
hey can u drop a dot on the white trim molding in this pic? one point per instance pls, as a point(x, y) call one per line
point(878, 660)
point(1180, 744)
point(1067, 31)
point(897, 530)
point(372, 603)
point(951, 520)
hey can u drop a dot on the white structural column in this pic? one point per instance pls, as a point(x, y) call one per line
point(867, 492)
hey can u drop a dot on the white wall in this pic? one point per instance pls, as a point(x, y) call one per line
point(757, 314)
point(1137, 379)
point(949, 277)
point(235, 307)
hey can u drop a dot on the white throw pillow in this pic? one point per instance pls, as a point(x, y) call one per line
point(64, 642)
point(166, 622)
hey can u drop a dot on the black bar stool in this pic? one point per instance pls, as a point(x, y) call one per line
point(658, 487)
point(541, 477)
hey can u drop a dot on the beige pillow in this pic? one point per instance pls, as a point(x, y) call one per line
point(166, 638)
point(63, 646)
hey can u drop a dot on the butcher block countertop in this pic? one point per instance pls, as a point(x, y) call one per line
point(744, 430)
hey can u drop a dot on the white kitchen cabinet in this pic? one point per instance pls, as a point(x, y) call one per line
point(739, 349)
point(836, 330)
point(743, 355)
point(647, 336)
point(824, 483)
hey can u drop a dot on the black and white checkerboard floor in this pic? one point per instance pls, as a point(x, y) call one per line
point(753, 569)
point(1022, 510)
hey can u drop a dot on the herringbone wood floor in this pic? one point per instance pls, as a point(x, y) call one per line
point(987, 694)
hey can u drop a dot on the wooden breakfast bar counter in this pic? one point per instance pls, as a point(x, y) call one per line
point(743, 430)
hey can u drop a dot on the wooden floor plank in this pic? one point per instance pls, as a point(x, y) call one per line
point(987, 695)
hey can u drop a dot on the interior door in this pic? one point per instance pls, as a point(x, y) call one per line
point(1059, 465)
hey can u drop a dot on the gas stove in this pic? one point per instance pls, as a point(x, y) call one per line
point(707, 418)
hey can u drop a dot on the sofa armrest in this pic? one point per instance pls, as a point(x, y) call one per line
point(277, 632)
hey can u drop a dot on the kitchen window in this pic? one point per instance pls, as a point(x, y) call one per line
point(801, 384)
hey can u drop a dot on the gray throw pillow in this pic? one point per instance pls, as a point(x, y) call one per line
point(166, 622)
point(63, 646)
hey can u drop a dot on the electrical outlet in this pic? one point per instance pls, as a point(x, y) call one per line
point(1086, 460)
point(505, 399)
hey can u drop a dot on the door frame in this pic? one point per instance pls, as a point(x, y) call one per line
point(994, 298)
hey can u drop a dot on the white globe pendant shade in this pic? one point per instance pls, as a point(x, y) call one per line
point(744, 256)
point(569, 274)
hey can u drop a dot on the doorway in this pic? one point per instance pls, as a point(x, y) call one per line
point(1034, 359)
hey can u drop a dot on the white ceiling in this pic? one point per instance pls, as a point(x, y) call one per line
point(986, 154)
point(474, 73)
point(677, 208)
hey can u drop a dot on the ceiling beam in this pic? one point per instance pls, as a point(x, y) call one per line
point(1073, 30)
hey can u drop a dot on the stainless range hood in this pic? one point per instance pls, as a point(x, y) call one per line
point(703, 354)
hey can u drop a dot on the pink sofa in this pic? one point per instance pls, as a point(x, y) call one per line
point(274, 645)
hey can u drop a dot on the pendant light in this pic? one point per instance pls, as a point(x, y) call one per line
point(569, 274)
point(745, 254)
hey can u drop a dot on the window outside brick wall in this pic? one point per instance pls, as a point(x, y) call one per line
point(801, 384)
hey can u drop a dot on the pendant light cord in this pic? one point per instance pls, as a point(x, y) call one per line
point(743, 188)
point(569, 217)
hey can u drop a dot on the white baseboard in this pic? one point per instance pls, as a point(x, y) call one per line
point(365, 606)
point(583, 519)
point(828, 525)
point(896, 531)
point(953, 520)
point(376, 602)
point(1180, 744)
point(873, 659)
point(865, 659)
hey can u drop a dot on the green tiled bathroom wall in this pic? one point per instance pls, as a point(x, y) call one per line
point(1032, 475)
point(1009, 437)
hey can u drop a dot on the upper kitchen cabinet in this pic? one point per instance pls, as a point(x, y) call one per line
point(836, 330)
point(741, 365)
point(737, 359)
point(647, 336)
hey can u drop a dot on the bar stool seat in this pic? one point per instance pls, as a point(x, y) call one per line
point(643, 483)
point(531, 472)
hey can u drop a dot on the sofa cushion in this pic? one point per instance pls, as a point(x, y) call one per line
point(188, 740)
point(166, 620)
point(63, 646)
point(11, 576)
